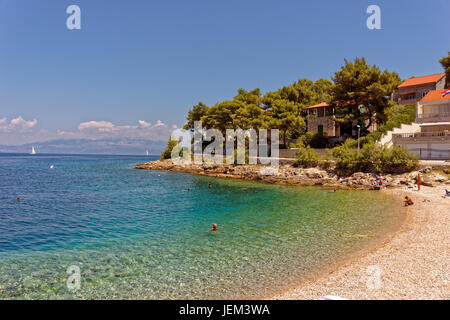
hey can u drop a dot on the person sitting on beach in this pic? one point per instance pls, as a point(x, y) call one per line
point(447, 194)
point(408, 201)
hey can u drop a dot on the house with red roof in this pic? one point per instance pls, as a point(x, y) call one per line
point(432, 140)
point(414, 89)
point(321, 120)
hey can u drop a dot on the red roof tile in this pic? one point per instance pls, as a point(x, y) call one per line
point(435, 95)
point(433, 78)
point(323, 104)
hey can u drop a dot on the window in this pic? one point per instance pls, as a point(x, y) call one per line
point(425, 93)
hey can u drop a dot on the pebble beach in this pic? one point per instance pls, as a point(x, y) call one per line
point(413, 264)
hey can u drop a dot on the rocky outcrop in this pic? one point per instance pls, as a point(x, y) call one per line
point(287, 174)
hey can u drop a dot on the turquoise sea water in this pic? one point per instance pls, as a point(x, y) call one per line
point(141, 234)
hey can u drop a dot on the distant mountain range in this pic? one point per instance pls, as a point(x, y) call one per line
point(87, 146)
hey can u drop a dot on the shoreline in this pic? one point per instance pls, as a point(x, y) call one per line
point(410, 264)
point(288, 175)
point(413, 261)
point(345, 262)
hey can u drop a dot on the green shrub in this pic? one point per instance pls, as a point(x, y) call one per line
point(398, 159)
point(313, 140)
point(372, 158)
point(307, 157)
point(346, 158)
point(327, 161)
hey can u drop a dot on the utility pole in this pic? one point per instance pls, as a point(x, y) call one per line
point(359, 133)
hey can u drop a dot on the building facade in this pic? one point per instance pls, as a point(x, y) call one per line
point(414, 89)
point(432, 142)
point(321, 120)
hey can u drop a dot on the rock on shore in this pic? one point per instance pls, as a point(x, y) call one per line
point(287, 174)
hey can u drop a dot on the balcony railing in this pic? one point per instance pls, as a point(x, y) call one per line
point(421, 136)
point(434, 117)
point(407, 101)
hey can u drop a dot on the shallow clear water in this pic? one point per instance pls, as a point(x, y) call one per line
point(141, 234)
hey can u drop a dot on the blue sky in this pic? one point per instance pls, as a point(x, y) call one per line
point(152, 60)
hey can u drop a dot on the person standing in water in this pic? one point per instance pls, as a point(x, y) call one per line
point(214, 227)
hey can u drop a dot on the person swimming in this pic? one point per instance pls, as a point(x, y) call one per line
point(214, 227)
point(19, 199)
point(408, 201)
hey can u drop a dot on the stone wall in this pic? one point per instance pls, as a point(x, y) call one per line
point(329, 126)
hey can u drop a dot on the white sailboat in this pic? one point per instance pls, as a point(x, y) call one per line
point(32, 150)
point(148, 153)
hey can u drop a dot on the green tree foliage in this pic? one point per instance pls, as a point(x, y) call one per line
point(249, 97)
point(221, 115)
point(249, 116)
point(303, 93)
point(285, 117)
point(286, 106)
point(196, 114)
point(359, 84)
point(445, 61)
point(244, 112)
point(355, 84)
point(167, 153)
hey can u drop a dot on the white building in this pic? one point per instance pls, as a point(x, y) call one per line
point(432, 142)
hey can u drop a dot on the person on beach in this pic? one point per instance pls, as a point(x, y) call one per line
point(408, 201)
point(379, 180)
point(418, 181)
